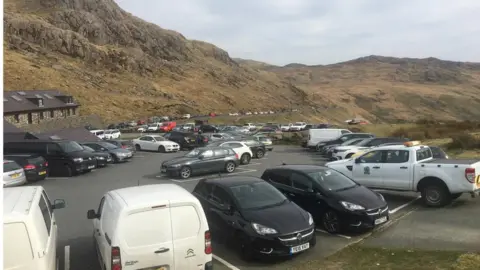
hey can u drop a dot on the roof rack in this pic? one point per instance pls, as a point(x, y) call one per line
point(38, 96)
point(22, 93)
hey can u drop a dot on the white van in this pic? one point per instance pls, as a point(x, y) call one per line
point(29, 229)
point(151, 227)
point(323, 134)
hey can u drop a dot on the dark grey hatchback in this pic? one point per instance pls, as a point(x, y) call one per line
point(202, 160)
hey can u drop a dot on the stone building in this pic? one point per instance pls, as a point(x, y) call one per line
point(23, 108)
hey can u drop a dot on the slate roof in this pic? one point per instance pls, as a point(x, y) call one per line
point(17, 101)
point(10, 128)
point(74, 134)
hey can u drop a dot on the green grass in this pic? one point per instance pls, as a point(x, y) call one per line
point(357, 257)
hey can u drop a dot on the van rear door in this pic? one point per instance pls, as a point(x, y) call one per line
point(17, 250)
point(146, 239)
point(189, 227)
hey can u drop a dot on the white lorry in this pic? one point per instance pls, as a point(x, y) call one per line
point(411, 167)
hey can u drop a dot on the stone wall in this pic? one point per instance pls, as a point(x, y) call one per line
point(25, 119)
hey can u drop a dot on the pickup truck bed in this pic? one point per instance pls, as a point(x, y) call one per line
point(453, 161)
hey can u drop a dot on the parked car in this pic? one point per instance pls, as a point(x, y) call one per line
point(154, 227)
point(213, 137)
point(411, 167)
point(320, 147)
point(100, 133)
point(167, 126)
point(286, 127)
point(316, 136)
point(250, 126)
point(30, 229)
point(155, 143)
point(202, 160)
point(208, 129)
point(117, 154)
point(240, 148)
point(112, 134)
point(331, 148)
point(298, 126)
point(65, 158)
point(265, 140)
point(335, 201)
point(142, 128)
point(102, 158)
point(13, 174)
point(255, 217)
point(125, 144)
point(34, 166)
point(186, 140)
point(155, 127)
point(258, 149)
point(346, 152)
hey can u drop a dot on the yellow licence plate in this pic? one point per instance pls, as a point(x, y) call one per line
point(42, 172)
point(15, 175)
point(162, 268)
point(478, 181)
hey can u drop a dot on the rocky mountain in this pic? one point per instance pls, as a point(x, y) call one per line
point(119, 66)
point(388, 88)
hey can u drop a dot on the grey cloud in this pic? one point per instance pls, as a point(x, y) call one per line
point(321, 32)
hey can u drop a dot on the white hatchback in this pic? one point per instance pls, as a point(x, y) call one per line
point(13, 174)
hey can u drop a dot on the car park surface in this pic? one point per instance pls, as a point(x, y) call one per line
point(84, 192)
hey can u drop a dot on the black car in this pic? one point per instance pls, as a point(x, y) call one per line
point(255, 216)
point(102, 158)
point(207, 129)
point(258, 148)
point(125, 144)
point(186, 140)
point(35, 166)
point(330, 148)
point(202, 160)
point(320, 147)
point(117, 154)
point(64, 157)
point(334, 200)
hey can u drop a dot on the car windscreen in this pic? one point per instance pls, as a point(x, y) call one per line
point(252, 143)
point(108, 145)
point(108, 132)
point(257, 195)
point(88, 148)
point(352, 142)
point(10, 166)
point(332, 180)
point(193, 153)
point(71, 146)
point(364, 142)
point(159, 138)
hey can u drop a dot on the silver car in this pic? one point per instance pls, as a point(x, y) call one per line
point(13, 174)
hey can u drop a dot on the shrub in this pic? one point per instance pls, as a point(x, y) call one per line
point(464, 141)
point(435, 130)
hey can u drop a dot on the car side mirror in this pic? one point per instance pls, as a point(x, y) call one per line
point(91, 214)
point(58, 204)
point(357, 160)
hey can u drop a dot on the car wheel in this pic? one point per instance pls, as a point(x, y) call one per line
point(436, 195)
point(137, 147)
point(185, 172)
point(230, 167)
point(115, 159)
point(349, 156)
point(161, 149)
point(260, 154)
point(245, 159)
point(456, 195)
point(68, 171)
point(110, 157)
point(330, 221)
point(313, 241)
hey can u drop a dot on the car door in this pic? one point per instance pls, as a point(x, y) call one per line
point(94, 146)
point(219, 216)
point(56, 158)
point(219, 156)
point(301, 192)
point(237, 147)
point(97, 234)
point(47, 255)
point(396, 170)
point(207, 162)
point(368, 170)
point(280, 179)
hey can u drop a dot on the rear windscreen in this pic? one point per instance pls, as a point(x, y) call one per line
point(147, 228)
point(10, 166)
point(17, 251)
point(423, 153)
point(36, 160)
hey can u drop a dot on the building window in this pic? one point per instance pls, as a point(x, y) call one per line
point(40, 103)
point(17, 118)
point(68, 112)
point(30, 119)
point(42, 116)
point(52, 114)
point(74, 111)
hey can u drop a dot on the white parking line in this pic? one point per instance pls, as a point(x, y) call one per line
point(393, 211)
point(139, 156)
point(58, 178)
point(227, 264)
point(199, 178)
point(339, 235)
point(67, 258)
point(250, 164)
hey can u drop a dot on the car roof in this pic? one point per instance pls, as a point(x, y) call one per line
point(26, 155)
point(148, 195)
point(234, 180)
point(17, 201)
point(300, 167)
point(37, 141)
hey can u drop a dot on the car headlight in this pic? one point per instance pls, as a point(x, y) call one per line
point(262, 230)
point(121, 154)
point(79, 159)
point(101, 158)
point(310, 219)
point(175, 165)
point(352, 206)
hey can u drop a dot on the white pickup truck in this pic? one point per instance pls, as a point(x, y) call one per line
point(410, 167)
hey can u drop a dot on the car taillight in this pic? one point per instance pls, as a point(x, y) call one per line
point(208, 243)
point(124, 146)
point(46, 164)
point(236, 156)
point(205, 139)
point(29, 167)
point(470, 174)
point(116, 260)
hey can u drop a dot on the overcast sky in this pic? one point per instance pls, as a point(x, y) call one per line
point(323, 31)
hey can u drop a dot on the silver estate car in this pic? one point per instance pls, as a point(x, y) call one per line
point(13, 174)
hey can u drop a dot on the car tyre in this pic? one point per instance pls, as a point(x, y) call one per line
point(245, 159)
point(110, 156)
point(138, 147)
point(68, 171)
point(436, 195)
point(313, 241)
point(260, 154)
point(115, 159)
point(331, 221)
point(230, 167)
point(185, 172)
point(161, 149)
point(456, 195)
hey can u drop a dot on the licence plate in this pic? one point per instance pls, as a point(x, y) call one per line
point(299, 248)
point(42, 172)
point(15, 175)
point(380, 220)
point(91, 167)
point(164, 170)
point(162, 268)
